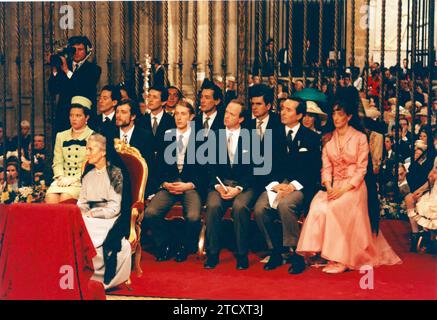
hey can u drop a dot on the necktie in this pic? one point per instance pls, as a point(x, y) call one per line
point(76, 66)
point(155, 125)
point(206, 126)
point(289, 140)
point(230, 151)
point(259, 128)
point(180, 151)
point(125, 139)
point(107, 119)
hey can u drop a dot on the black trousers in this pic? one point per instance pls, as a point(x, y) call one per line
point(215, 210)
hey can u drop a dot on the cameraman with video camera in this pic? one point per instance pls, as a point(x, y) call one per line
point(72, 75)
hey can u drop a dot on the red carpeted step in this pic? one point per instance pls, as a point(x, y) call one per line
point(414, 279)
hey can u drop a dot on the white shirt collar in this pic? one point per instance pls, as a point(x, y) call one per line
point(129, 134)
point(295, 130)
point(158, 117)
point(211, 118)
point(110, 116)
point(264, 124)
point(235, 137)
point(185, 135)
point(80, 63)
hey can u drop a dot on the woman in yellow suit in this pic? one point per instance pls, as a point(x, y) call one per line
point(70, 153)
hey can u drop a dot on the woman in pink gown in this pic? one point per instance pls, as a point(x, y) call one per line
point(338, 225)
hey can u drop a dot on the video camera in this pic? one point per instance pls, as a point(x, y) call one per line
point(69, 50)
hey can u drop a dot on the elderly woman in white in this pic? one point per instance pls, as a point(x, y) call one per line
point(101, 204)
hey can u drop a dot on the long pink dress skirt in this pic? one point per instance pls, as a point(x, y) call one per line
point(340, 229)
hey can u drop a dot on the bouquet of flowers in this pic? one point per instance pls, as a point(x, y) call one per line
point(32, 194)
point(392, 210)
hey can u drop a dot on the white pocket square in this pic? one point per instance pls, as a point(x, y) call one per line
point(303, 150)
point(168, 131)
point(245, 151)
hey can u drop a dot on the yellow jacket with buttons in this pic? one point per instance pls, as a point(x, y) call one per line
point(70, 154)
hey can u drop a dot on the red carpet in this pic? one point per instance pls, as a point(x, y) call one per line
point(416, 278)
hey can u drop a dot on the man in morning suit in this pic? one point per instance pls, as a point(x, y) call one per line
point(298, 172)
point(75, 77)
point(179, 180)
point(235, 171)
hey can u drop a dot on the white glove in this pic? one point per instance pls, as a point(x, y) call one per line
point(66, 181)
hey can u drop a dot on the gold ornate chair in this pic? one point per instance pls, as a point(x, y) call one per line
point(138, 173)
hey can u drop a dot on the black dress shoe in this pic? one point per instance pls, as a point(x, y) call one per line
point(211, 261)
point(163, 254)
point(275, 261)
point(181, 254)
point(242, 262)
point(297, 264)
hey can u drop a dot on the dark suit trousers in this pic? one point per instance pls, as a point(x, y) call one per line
point(161, 204)
point(215, 210)
point(288, 212)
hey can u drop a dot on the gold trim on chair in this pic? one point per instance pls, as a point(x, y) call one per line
point(137, 213)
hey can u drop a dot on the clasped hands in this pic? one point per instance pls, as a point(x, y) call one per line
point(337, 192)
point(228, 195)
point(283, 189)
point(65, 181)
point(177, 187)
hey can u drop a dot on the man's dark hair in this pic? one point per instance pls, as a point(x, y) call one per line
point(162, 90)
point(404, 119)
point(301, 107)
point(180, 96)
point(115, 91)
point(262, 90)
point(80, 40)
point(209, 85)
point(134, 108)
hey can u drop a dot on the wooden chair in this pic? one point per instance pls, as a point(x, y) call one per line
point(138, 173)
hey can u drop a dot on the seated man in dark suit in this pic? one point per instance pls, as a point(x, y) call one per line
point(179, 180)
point(73, 77)
point(157, 122)
point(108, 99)
point(126, 112)
point(297, 154)
point(266, 125)
point(235, 172)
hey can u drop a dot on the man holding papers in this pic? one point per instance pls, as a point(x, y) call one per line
point(235, 173)
point(297, 154)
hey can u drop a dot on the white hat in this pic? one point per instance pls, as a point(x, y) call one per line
point(84, 102)
point(313, 108)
